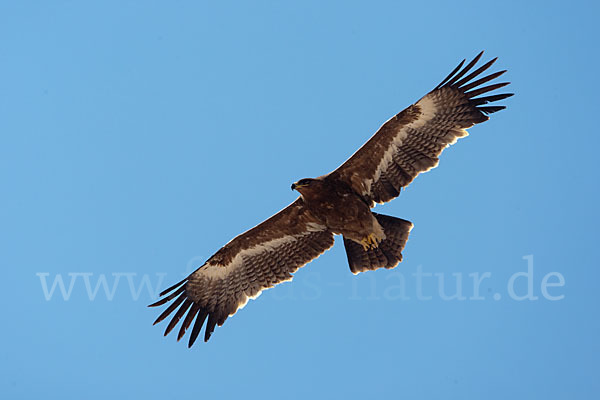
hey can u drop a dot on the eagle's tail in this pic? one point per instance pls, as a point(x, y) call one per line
point(389, 252)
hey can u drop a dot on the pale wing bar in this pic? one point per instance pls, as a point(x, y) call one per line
point(443, 116)
point(217, 291)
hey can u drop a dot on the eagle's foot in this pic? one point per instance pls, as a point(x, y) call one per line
point(369, 242)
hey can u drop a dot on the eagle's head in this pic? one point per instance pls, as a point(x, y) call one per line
point(303, 183)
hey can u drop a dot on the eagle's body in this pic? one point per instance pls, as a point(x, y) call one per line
point(336, 203)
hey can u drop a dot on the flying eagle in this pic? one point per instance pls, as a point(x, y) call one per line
point(338, 203)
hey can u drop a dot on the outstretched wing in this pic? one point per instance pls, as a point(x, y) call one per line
point(258, 259)
point(411, 141)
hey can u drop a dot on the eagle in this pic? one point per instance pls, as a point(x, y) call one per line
point(338, 203)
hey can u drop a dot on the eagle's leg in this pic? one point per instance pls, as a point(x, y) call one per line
point(369, 242)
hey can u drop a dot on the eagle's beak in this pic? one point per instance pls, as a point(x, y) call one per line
point(293, 185)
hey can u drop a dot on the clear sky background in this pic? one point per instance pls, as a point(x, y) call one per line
point(137, 137)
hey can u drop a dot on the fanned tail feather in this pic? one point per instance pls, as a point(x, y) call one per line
point(389, 252)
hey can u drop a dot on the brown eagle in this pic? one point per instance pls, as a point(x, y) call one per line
point(338, 203)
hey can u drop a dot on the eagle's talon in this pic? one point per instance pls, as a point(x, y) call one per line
point(369, 242)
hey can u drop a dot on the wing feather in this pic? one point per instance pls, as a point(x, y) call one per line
point(261, 258)
point(411, 142)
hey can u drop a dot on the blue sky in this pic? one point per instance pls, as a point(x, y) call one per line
point(139, 137)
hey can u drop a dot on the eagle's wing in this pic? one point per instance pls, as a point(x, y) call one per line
point(255, 260)
point(411, 141)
